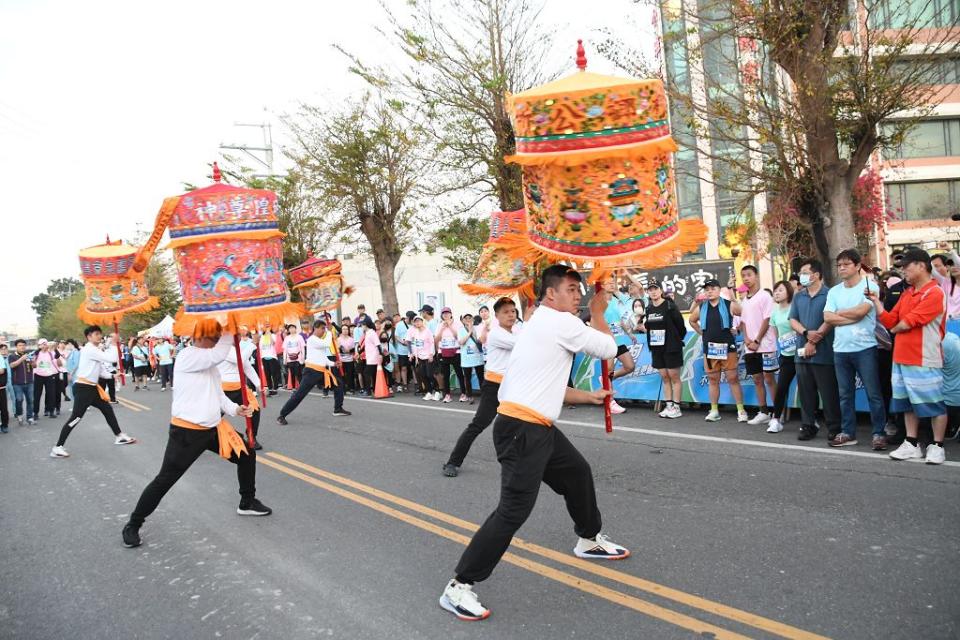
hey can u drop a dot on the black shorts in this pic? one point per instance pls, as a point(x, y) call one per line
point(622, 349)
point(141, 371)
point(666, 359)
point(753, 363)
point(403, 361)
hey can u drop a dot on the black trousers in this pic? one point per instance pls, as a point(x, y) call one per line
point(349, 376)
point(788, 371)
point(295, 370)
point(428, 383)
point(235, 396)
point(445, 364)
point(47, 387)
point(84, 397)
point(468, 379)
point(4, 408)
point(64, 385)
point(184, 446)
point(310, 380)
point(485, 414)
point(271, 368)
point(817, 383)
point(166, 375)
point(885, 371)
point(369, 377)
point(529, 454)
point(110, 384)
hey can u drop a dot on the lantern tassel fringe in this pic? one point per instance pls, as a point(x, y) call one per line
point(92, 317)
point(525, 290)
point(276, 314)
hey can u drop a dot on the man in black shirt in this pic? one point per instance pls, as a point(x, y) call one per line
point(21, 371)
point(4, 378)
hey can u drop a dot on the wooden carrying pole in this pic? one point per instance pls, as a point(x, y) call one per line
point(605, 378)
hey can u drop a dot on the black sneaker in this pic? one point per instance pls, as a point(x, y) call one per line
point(272, 392)
point(450, 470)
point(281, 420)
point(131, 536)
point(807, 433)
point(257, 446)
point(253, 508)
point(342, 412)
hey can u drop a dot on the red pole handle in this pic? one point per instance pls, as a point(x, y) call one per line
point(263, 377)
point(243, 387)
point(605, 380)
point(123, 377)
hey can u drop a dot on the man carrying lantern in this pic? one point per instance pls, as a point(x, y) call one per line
point(87, 393)
point(320, 368)
point(530, 448)
point(197, 425)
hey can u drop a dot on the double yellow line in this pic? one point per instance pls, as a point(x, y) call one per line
point(133, 406)
point(318, 478)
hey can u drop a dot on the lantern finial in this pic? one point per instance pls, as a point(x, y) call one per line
point(216, 173)
point(581, 56)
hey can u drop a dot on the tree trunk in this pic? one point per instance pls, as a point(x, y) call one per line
point(840, 234)
point(386, 263)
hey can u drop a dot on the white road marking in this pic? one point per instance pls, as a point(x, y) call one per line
point(669, 434)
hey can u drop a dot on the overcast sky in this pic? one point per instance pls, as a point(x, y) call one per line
point(108, 107)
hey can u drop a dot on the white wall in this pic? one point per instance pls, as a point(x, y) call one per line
point(416, 273)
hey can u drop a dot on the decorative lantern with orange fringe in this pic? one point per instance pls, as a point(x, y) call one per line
point(320, 284)
point(228, 249)
point(497, 274)
point(598, 180)
point(114, 287)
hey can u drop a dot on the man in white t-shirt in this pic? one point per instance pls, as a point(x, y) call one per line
point(530, 448)
point(759, 343)
point(320, 367)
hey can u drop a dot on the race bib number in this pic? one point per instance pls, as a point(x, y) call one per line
point(43, 364)
point(448, 343)
point(717, 350)
point(418, 343)
point(788, 342)
point(615, 329)
point(770, 362)
point(658, 337)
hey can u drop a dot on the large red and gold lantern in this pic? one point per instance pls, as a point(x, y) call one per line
point(113, 287)
point(497, 273)
point(598, 179)
point(320, 284)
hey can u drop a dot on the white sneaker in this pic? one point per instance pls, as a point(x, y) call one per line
point(760, 418)
point(713, 416)
point(742, 416)
point(775, 426)
point(428, 396)
point(460, 600)
point(675, 412)
point(437, 396)
point(907, 451)
point(124, 439)
point(615, 408)
point(59, 452)
point(935, 454)
point(600, 549)
point(666, 410)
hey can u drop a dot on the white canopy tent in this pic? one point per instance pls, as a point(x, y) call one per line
point(163, 329)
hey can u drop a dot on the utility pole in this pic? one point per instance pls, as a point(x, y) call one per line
point(263, 155)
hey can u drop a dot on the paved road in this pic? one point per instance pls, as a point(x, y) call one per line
point(734, 534)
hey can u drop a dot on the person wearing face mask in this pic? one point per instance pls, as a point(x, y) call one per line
point(816, 378)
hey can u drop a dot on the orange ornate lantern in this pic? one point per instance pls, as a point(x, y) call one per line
point(320, 284)
point(598, 179)
point(497, 273)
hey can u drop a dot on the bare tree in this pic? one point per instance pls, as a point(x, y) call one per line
point(794, 93)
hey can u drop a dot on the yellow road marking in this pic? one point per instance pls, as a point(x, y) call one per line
point(637, 604)
point(133, 404)
point(126, 404)
point(716, 608)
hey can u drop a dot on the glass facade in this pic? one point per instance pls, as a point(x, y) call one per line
point(931, 200)
point(913, 14)
point(929, 139)
point(942, 71)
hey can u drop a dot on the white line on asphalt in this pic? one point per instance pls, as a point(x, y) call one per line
point(670, 434)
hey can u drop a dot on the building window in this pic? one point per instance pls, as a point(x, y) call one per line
point(941, 71)
point(929, 139)
point(913, 14)
point(931, 200)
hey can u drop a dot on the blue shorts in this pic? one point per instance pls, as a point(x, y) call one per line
point(917, 390)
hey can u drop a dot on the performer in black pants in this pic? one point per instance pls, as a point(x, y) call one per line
point(499, 340)
point(530, 447)
point(230, 383)
point(320, 367)
point(87, 393)
point(4, 379)
point(197, 425)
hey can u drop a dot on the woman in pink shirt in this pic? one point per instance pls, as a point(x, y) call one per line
point(46, 374)
point(371, 353)
point(294, 354)
point(422, 351)
point(448, 345)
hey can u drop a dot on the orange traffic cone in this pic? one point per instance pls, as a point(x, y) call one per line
point(381, 390)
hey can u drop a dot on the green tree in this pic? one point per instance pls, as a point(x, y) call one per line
point(795, 92)
point(364, 166)
point(58, 289)
point(61, 321)
point(462, 241)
